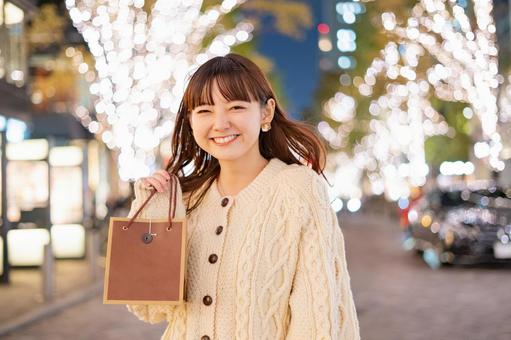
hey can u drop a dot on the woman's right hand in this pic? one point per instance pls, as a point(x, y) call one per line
point(159, 179)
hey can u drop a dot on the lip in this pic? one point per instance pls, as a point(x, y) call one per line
point(229, 142)
point(232, 134)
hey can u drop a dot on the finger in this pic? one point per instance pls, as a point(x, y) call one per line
point(164, 181)
point(164, 173)
point(156, 183)
point(161, 177)
point(145, 183)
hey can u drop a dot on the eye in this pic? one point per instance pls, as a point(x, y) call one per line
point(237, 107)
point(202, 111)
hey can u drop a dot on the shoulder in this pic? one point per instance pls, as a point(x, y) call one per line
point(304, 181)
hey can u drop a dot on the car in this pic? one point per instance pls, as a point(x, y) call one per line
point(461, 226)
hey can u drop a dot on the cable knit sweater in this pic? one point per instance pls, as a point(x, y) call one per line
point(268, 263)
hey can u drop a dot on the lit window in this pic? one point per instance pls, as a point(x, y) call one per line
point(13, 14)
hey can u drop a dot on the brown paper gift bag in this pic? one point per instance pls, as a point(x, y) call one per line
point(146, 258)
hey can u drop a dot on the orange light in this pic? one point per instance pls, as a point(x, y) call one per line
point(426, 221)
point(449, 238)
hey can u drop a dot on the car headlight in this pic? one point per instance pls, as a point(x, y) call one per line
point(413, 216)
point(449, 238)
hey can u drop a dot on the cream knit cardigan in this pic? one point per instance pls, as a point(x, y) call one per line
point(281, 271)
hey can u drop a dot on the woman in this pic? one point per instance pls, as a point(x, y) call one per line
point(266, 255)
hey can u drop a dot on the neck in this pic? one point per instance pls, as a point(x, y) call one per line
point(236, 175)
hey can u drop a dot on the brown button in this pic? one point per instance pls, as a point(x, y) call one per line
point(207, 300)
point(225, 201)
point(219, 229)
point(213, 258)
point(205, 337)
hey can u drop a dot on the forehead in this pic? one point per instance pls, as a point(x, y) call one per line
point(210, 88)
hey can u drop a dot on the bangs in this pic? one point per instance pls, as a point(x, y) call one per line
point(233, 80)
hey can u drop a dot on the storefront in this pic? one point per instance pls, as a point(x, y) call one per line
point(15, 103)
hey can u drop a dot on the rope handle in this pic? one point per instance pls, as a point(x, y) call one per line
point(172, 202)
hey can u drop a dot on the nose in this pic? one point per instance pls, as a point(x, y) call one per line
point(221, 121)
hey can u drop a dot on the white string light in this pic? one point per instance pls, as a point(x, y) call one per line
point(465, 70)
point(142, 63)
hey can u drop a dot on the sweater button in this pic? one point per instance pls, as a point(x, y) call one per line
point(225, 201)
point(213, 258)
point(219, 229)
point(205, 337)
point(207, 300)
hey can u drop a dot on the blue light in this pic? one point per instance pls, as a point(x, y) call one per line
point(408, 243)
point(16, 130)
point(346, 62)
point(403, 203)
point(349, 7)
point(431, 258)
point(3, 122)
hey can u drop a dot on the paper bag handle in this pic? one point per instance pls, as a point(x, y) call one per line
point(172, 202)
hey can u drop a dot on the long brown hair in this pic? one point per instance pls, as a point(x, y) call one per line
point(238, 78)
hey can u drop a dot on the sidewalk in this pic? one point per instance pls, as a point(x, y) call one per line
point(78, 302)
point(91, 319)
point(22, 299)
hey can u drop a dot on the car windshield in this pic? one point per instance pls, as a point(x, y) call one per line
point(493, 193)
point(452, 199)
point(438, 199)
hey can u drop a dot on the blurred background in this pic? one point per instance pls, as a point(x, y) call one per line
point(412, 99)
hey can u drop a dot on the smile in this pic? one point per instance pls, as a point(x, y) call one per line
point(224, 140)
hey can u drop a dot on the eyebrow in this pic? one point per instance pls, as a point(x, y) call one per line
point(230, 102)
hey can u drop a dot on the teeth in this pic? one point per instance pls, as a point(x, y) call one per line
point(225, 139)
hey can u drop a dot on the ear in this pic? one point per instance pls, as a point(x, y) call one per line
point(268, 111)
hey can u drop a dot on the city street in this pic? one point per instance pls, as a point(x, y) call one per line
point(404, 107)
point(397, 295)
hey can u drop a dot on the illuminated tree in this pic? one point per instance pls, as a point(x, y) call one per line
point(141, 63)
point(437, 52)
point(145, 50)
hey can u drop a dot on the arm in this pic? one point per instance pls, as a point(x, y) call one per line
point(321, 304)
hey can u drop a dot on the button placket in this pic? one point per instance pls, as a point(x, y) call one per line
point(208, 304)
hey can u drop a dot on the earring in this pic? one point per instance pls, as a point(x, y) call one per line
point(266, 127)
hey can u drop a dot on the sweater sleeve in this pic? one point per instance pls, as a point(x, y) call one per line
point(148, 313)
point(321, 304)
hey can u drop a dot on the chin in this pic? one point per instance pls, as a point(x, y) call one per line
point(226, 156)
point(230, 153)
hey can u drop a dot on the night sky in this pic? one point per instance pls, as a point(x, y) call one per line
point(297, 62)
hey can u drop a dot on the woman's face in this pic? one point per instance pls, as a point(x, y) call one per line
point(229, 130)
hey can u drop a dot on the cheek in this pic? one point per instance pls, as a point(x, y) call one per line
point(197, 131)
point(197, 126)
point(251, 124)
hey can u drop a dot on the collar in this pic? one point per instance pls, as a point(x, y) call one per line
point(254, 189)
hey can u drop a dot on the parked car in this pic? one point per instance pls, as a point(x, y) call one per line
point(461, 225)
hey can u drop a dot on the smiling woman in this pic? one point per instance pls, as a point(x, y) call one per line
point(229, 130)
point(230, 96)
point(265, 252)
